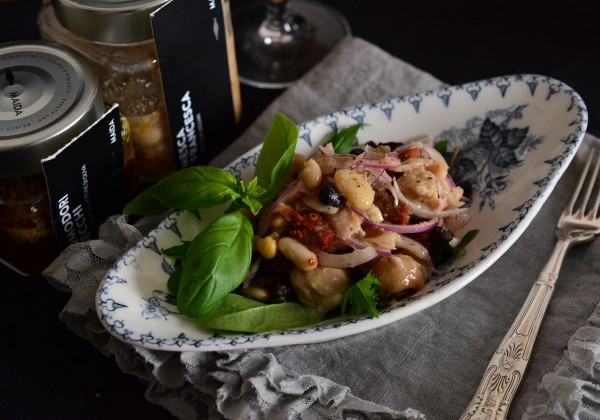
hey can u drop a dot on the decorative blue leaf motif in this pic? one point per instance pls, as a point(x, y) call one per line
point(487, 157)
point(153, 310)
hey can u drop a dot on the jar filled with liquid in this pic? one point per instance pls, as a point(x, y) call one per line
point(116, 38)
point(48, 95)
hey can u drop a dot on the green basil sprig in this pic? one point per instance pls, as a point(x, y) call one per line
point(196, 187)
point(216, 261)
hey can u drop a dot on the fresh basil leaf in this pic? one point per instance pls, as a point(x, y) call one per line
point(441, 146)
point(250, 196)
point(343, 140)
point(238, 313)
point(361, 297)
point(177, 251)
point(215, 263)
point(190, 188)
point(466, 239)
point(252, 204)
point(275, 158)
point(174, 281)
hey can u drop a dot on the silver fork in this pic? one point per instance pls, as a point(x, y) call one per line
point(578, 223)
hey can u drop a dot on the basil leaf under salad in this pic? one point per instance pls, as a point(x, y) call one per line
point(343, 141)
point(335, 236)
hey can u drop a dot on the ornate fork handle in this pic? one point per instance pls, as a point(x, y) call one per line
point(508, 364)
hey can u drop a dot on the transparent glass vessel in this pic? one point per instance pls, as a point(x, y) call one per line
point(116, 38)
point(48, 95)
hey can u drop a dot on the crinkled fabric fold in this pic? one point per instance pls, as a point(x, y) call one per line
point(572, 390)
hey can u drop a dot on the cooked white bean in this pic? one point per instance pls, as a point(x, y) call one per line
point(399, 273)
point(302, 257)
point(355, 188)
point(311, 174)
point(321, 288)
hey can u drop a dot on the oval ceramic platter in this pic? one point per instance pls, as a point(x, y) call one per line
point(517, 134)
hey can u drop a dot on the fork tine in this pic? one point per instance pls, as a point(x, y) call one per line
point(591, 182)
point(582, 177)
point(594, 210)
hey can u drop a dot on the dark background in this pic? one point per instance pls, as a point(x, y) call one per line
point(47, 371)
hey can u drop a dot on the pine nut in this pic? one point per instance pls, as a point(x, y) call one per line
point(302, 257)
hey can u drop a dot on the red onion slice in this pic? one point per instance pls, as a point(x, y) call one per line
point(415, 228)
point(413, 247)
point(349, 260)
point(424, 213)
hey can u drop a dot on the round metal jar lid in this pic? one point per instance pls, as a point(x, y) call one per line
point(48, 95)
point(109, 21)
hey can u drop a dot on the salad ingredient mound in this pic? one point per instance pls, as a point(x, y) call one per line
point(348, 229)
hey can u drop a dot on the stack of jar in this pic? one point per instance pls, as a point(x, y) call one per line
point(116, 38)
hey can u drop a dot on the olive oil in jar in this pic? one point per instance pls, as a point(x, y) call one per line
point(116, 38)
point(48, 95)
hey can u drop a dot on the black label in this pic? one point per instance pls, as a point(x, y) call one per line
point(192, 51)
point(86, 181)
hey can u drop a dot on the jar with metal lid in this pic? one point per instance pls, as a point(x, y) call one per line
point(48, 95)
point(116, 38)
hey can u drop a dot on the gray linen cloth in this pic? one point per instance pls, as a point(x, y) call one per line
point(425, 366)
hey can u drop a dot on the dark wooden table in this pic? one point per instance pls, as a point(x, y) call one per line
point(46, 371)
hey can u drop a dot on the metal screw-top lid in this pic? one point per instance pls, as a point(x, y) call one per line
point(48, 95)
point(110, 21)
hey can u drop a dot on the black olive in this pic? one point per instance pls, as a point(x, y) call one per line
point(329, 196)
point(440, 248)
point(357, 151)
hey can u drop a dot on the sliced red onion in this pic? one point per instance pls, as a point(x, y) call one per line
point(437, 158)
point(373, 177)
point(450, 180)
point(424, 213)
point(408, 146)
point(326, 151)
point(394, 188)
point(349, 260)
point(361, 213)
point(387, 166)
point(414, 247)
point(314, 203)
point(252, 270)
point(415, 228)
point(353, 243)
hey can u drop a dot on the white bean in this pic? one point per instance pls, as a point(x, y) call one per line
point(311, 174)
point(355, 188)
point(302, 257)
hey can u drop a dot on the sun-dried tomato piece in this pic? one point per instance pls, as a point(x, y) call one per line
point(308, 227)
point(391, 212)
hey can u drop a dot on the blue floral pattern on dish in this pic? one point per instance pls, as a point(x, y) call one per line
point(511, 153)
point(489, 149)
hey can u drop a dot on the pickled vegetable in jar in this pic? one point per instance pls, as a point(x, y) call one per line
point(48, 95)
point(116, 38)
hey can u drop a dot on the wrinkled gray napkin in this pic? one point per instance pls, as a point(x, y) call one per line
point(431, 361)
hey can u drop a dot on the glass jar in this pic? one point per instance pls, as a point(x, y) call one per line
point(48, 95)
point(116, 38)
